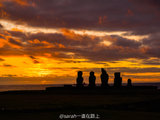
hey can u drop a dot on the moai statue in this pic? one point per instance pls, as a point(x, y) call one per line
point(79, 79)
point(104, 78)
point(92, 79)
point(129, 84)
point(117, 79)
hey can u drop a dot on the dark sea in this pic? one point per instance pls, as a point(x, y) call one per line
point(42, 87)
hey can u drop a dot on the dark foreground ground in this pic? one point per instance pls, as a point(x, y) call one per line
point(111, 105)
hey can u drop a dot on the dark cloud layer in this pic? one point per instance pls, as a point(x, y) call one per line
point(153, 44)
point(82, 46)
point(139, 17)
point(126, 43)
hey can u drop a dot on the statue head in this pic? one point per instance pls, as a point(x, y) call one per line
point(91, 73)
point(103, 71)
point(80, 73)
point(117, 74)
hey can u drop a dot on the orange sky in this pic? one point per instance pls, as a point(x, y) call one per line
point(45, 45)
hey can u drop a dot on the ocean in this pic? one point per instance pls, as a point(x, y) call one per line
point(42, 87)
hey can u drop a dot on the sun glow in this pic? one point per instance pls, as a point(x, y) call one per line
point(49, 67)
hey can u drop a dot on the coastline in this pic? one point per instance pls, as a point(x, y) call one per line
point(43, 86)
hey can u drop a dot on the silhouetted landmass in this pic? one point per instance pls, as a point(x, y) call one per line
point(115, 104)
point(101, 90)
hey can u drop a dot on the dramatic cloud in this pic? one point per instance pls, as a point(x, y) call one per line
point(82, 46)
point(153, 44)
point(79, 34)
point(105, 15)
point(126, 43)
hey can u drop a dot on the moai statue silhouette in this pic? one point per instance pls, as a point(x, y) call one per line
point(117, 79)
point(92, 79)
point(79, 79)
point(129, 83)
point(104, 78)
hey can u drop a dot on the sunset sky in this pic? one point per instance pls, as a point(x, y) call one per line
point(48, 41)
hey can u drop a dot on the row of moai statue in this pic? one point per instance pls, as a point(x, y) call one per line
point(104, 79)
